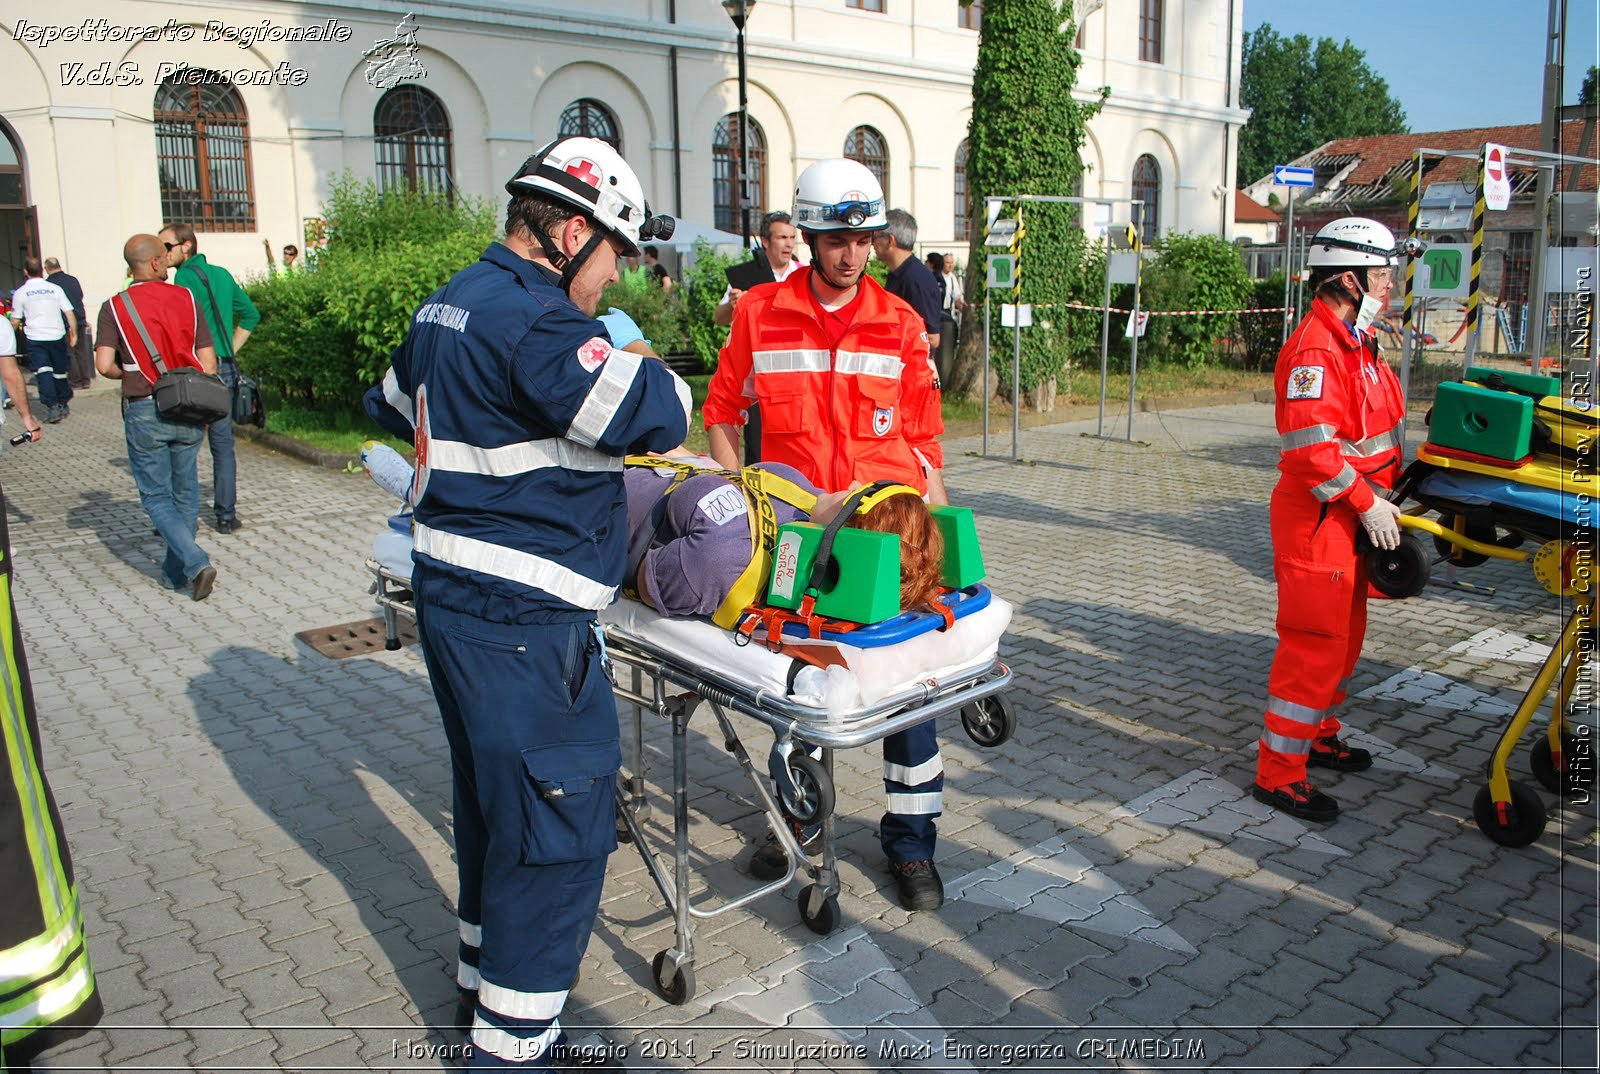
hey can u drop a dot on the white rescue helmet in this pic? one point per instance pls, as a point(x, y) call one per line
point(592, 177)
point(839, 195)
point(1353, 242)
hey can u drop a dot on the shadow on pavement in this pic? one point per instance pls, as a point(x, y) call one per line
point(333, 772)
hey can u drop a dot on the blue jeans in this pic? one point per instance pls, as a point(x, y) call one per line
point(49, 359)
point(164, 457)
point(224, 467)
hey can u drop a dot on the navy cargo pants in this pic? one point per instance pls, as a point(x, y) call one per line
point(534, 750)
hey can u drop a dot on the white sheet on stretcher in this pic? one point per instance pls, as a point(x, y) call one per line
point(869, 675)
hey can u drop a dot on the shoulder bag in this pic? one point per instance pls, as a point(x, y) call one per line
point(248, 408)
point(186, 394)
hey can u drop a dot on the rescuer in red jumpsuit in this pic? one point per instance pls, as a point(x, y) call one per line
point(1339, 412)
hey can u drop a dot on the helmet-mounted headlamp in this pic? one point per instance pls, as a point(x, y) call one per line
point(656, 227)
point(849, 213)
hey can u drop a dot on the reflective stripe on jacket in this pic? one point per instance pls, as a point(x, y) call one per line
point(521, 412)
point(867, 410)
point(1339, 411)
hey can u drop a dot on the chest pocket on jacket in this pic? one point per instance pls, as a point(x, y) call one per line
point(877, 407)
point(788, 408)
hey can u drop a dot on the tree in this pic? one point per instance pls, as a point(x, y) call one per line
point(1590, 93)
point(1304, 94)
point(1025, 137)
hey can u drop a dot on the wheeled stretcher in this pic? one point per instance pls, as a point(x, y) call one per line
point(815, 694)
point(1524, 505)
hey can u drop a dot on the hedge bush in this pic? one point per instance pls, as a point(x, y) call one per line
point(326, 334)
point(1194, 272)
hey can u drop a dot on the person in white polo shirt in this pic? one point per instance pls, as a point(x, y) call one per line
point(45, 314)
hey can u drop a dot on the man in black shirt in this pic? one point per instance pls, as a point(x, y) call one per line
point(80, 373)
point(909, 278)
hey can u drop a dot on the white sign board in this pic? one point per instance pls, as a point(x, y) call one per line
point(1008, 315)
point(1496, 179)
point(1444, 271)
point(1144, 322)
point(1001, 232)
point(1570, 270)
point(1123, 267)
point(1003, 271)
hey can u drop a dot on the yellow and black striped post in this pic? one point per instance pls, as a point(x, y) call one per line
point(1016, 252)
point(1474, 293)
point(1413, 214)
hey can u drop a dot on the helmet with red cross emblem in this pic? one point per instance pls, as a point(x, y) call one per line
point(592, 177)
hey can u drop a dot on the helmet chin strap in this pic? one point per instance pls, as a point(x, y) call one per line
point(569, 267)
point(816, 266)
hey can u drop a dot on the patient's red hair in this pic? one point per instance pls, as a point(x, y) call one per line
point(921, 546)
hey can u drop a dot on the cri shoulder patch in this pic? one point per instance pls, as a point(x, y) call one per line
point(593, 354)
point(1305, 382)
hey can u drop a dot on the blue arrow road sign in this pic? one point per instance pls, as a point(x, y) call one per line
point(1283, 175)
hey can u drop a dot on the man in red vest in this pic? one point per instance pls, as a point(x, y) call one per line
point(162, 454)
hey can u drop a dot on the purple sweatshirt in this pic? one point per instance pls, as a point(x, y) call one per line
point(696, 544)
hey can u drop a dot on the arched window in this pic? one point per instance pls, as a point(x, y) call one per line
point(963, 196)
point(411, 139)
point(725, 174)
point(203, 155)
point(867, 146)
point(1147, 188)
point(587, 118)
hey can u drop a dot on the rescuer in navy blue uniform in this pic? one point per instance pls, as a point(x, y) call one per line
point(521, 408)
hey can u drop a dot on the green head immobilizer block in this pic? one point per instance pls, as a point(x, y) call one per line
point(864, 589)
point(1521, 383)
point(1483, 421)
point(963, 559)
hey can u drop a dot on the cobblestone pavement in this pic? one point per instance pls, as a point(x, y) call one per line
point(262, 834)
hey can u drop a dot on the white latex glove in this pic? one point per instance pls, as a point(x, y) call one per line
point(1381, 521)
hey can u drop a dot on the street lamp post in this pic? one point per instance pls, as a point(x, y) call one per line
point(739, 11)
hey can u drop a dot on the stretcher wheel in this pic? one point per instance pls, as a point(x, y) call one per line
point(1524, 817)
point(1477, 529)
point(1404, 571)
point(812, 797)
point(680, 988)
point(989, 721)
point(826, 917)
point(1543, 763)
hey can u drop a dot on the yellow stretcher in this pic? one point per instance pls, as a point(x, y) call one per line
point(1492, 512)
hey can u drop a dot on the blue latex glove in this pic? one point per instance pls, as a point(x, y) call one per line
point(621, 328)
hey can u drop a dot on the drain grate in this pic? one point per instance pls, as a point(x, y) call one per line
point(354, 639)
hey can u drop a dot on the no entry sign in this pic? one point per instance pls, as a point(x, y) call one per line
point(1496, 180)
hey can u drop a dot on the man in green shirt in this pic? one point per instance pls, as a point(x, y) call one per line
point(232, 317)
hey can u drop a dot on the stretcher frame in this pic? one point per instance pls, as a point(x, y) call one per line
point(793, 724)
point(1508, 812)
point(660, 682)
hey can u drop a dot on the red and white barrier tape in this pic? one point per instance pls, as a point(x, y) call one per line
point(1158, 313)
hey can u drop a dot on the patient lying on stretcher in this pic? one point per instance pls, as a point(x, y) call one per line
point(689, 536)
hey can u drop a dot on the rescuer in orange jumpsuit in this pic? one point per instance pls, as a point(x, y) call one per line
point(1339, 412)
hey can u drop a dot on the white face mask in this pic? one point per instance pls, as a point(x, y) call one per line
point(1368, 311)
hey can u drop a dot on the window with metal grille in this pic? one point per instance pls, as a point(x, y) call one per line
point(1147, 188)
point(865, 5)
point(1518, 268)
point(203, 155)
point(587, 118)
point(1150, 12)
point(725, 174)
point(963, 197)
point(411, 141)
point(866, 145)
point(970, 16)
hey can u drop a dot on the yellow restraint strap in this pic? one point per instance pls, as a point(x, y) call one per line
point(760, 487)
